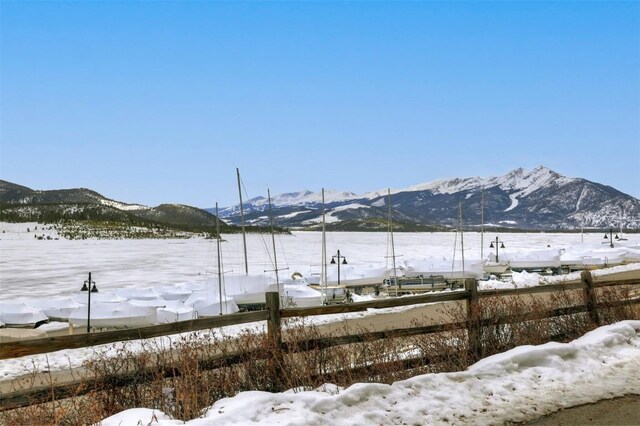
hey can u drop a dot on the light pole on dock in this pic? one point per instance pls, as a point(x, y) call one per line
point(610, 237)
point(333, 261)
point(501, 246)
point(87, 287)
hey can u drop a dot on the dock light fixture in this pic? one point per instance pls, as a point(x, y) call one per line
point(85, 287)
point(333, 262)
point(610, 237)
point(496, 246)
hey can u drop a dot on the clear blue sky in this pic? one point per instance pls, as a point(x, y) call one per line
point(156, 102)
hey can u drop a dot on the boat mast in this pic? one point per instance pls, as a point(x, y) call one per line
point(244, 237)
point(462, 244)
point(482, 223)
point(273, 240)
point(218, 237)
point(323, 272)
point(393, 250)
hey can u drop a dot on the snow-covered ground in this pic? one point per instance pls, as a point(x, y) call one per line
point(524, 383)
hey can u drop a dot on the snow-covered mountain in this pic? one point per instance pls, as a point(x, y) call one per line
point(526, 199)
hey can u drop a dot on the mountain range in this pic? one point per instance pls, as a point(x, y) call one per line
point(538, 199)
point(21, 204)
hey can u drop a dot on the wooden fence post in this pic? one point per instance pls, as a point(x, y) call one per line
point(474, 332)
point(591, 301)
point(274, 328)
point(274, 333)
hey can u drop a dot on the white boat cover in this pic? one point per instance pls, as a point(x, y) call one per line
point(357, 274)
point(20, 314)
point(209, 303)
point(632, 255)
point(178, 292)
point(82, 297)
point(590, 256)
point(244, 289)
point(119, 314)
point(175, 310)
point(447, 268)
point(145, 293)
point(535, 259)
point(158, 302)
point(297, 293)
point(56, 307)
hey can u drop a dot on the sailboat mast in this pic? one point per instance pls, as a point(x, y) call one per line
point(244, 236)
point(462, 244)
point(393, 249)
point(273, 240)
point(219, 257)
point(482, 223)
point(323, 272)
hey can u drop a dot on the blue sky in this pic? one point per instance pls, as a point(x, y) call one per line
point(155, 102)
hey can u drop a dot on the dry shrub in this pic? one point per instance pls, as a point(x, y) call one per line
point(621, 297)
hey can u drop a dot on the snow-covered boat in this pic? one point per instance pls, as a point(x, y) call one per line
point(209, 303)
point(56, 308)
point(174, 311)
point(144, 293)
point(296, 292)
point(535, 260)
point(495, 267)
point(178, 292)
point(124, 314)
point(450, 270)
point(632, 255)
point(21, 315)
point(357, 275)
point(246, 289)
point(103, 297)
point(587, 257)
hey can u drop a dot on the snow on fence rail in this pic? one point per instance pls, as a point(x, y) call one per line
point(273, 315)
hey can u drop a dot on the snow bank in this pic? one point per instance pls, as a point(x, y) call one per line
point(519, 280)
point(515, 386)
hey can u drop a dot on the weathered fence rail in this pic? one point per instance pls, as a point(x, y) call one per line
point(273, 315)
point(51, 344)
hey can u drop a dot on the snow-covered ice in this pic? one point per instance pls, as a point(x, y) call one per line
point(31, 268)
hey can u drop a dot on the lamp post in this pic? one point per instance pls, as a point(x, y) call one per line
point(333, 261)
point(501, 246)
point(610, 237)
point(87, 287)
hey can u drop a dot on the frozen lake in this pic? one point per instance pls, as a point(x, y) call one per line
point(38, 268)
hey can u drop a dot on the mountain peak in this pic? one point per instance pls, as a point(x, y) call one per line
point(537, 198)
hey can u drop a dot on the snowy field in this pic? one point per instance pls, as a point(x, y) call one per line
point(31, 268)
point(522, 384)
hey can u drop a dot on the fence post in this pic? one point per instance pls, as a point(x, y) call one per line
point(474, 331)
point(274, 329)
point(590, 297)
point(274, 333)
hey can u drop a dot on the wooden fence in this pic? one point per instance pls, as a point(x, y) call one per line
point(274, 315)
